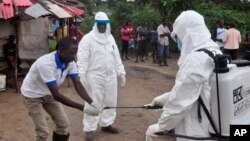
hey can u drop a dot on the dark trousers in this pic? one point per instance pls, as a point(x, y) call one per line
point(124, 48)
point(231, 52)
point(155, 51)
point(246, 56)
point(162, 54)
point(142, 49)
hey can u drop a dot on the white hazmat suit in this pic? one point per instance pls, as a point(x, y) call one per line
point(192, 80)
point(99, 66)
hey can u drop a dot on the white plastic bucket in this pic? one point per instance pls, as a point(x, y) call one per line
point(2, 82)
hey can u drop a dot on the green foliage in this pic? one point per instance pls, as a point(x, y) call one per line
point(213, 12)
point(122, 12)
point(175, 7)
point(87, 24)
point(147, 15)
point(52, 45)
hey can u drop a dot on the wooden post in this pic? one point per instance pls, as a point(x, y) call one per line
point(17, 54)
point(76, 26)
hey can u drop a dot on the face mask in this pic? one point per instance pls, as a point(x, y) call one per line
point(179, 43)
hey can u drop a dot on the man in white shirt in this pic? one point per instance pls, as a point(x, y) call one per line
point(220, 31)
point(163, 48)
point(40, 90)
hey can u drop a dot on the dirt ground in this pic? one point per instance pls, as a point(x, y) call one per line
point(144, 82)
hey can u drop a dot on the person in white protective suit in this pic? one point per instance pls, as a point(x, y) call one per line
point(99, 66)
point(192, 80)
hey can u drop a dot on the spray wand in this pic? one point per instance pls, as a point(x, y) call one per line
point(142, 107)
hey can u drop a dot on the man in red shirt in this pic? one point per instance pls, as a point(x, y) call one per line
point(74, 32)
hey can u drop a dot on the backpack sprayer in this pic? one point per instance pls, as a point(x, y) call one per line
point(230, 98)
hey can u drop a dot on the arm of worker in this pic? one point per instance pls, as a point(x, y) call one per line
point(219, 40)
point(74, 75)
point(83, 55)
point(120, 71)
point(163, 33)
point(185, 93)
point(63, 99)
point(96, 109)
point(159, 100)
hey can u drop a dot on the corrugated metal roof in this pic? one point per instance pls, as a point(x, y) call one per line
point(72, 0)
point(22, 15)
point(55, 9)
point(22, 3)
point(75, 3)
point(58, 8)
point(36, 11)
point(73, 10)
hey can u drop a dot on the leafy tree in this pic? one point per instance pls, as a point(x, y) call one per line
point(174, 7)
point(213, 10)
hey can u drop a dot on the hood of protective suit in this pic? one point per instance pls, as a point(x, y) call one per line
point(102, 38)
point(190, 28)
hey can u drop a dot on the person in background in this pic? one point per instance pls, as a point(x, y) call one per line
point(10, 51)
point(125, 36)
point(61, 31)
point(141, 42)
point(74, 32)
point(180, 105)
point(132, 46)
point(220, 31)
point(231, 40)
point(131, 41)
point(100, 65)
point(154, 43)
point(40, 90)
point(163, 34)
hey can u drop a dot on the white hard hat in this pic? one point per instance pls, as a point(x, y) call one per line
point(101, 18)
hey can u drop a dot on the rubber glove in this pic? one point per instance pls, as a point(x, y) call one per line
point(123, 80)
point(93, 110)
point(159, 100)
point(152, 129)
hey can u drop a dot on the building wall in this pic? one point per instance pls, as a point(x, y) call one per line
point(33, 38)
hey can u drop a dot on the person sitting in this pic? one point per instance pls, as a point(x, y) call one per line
point(10, 50)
